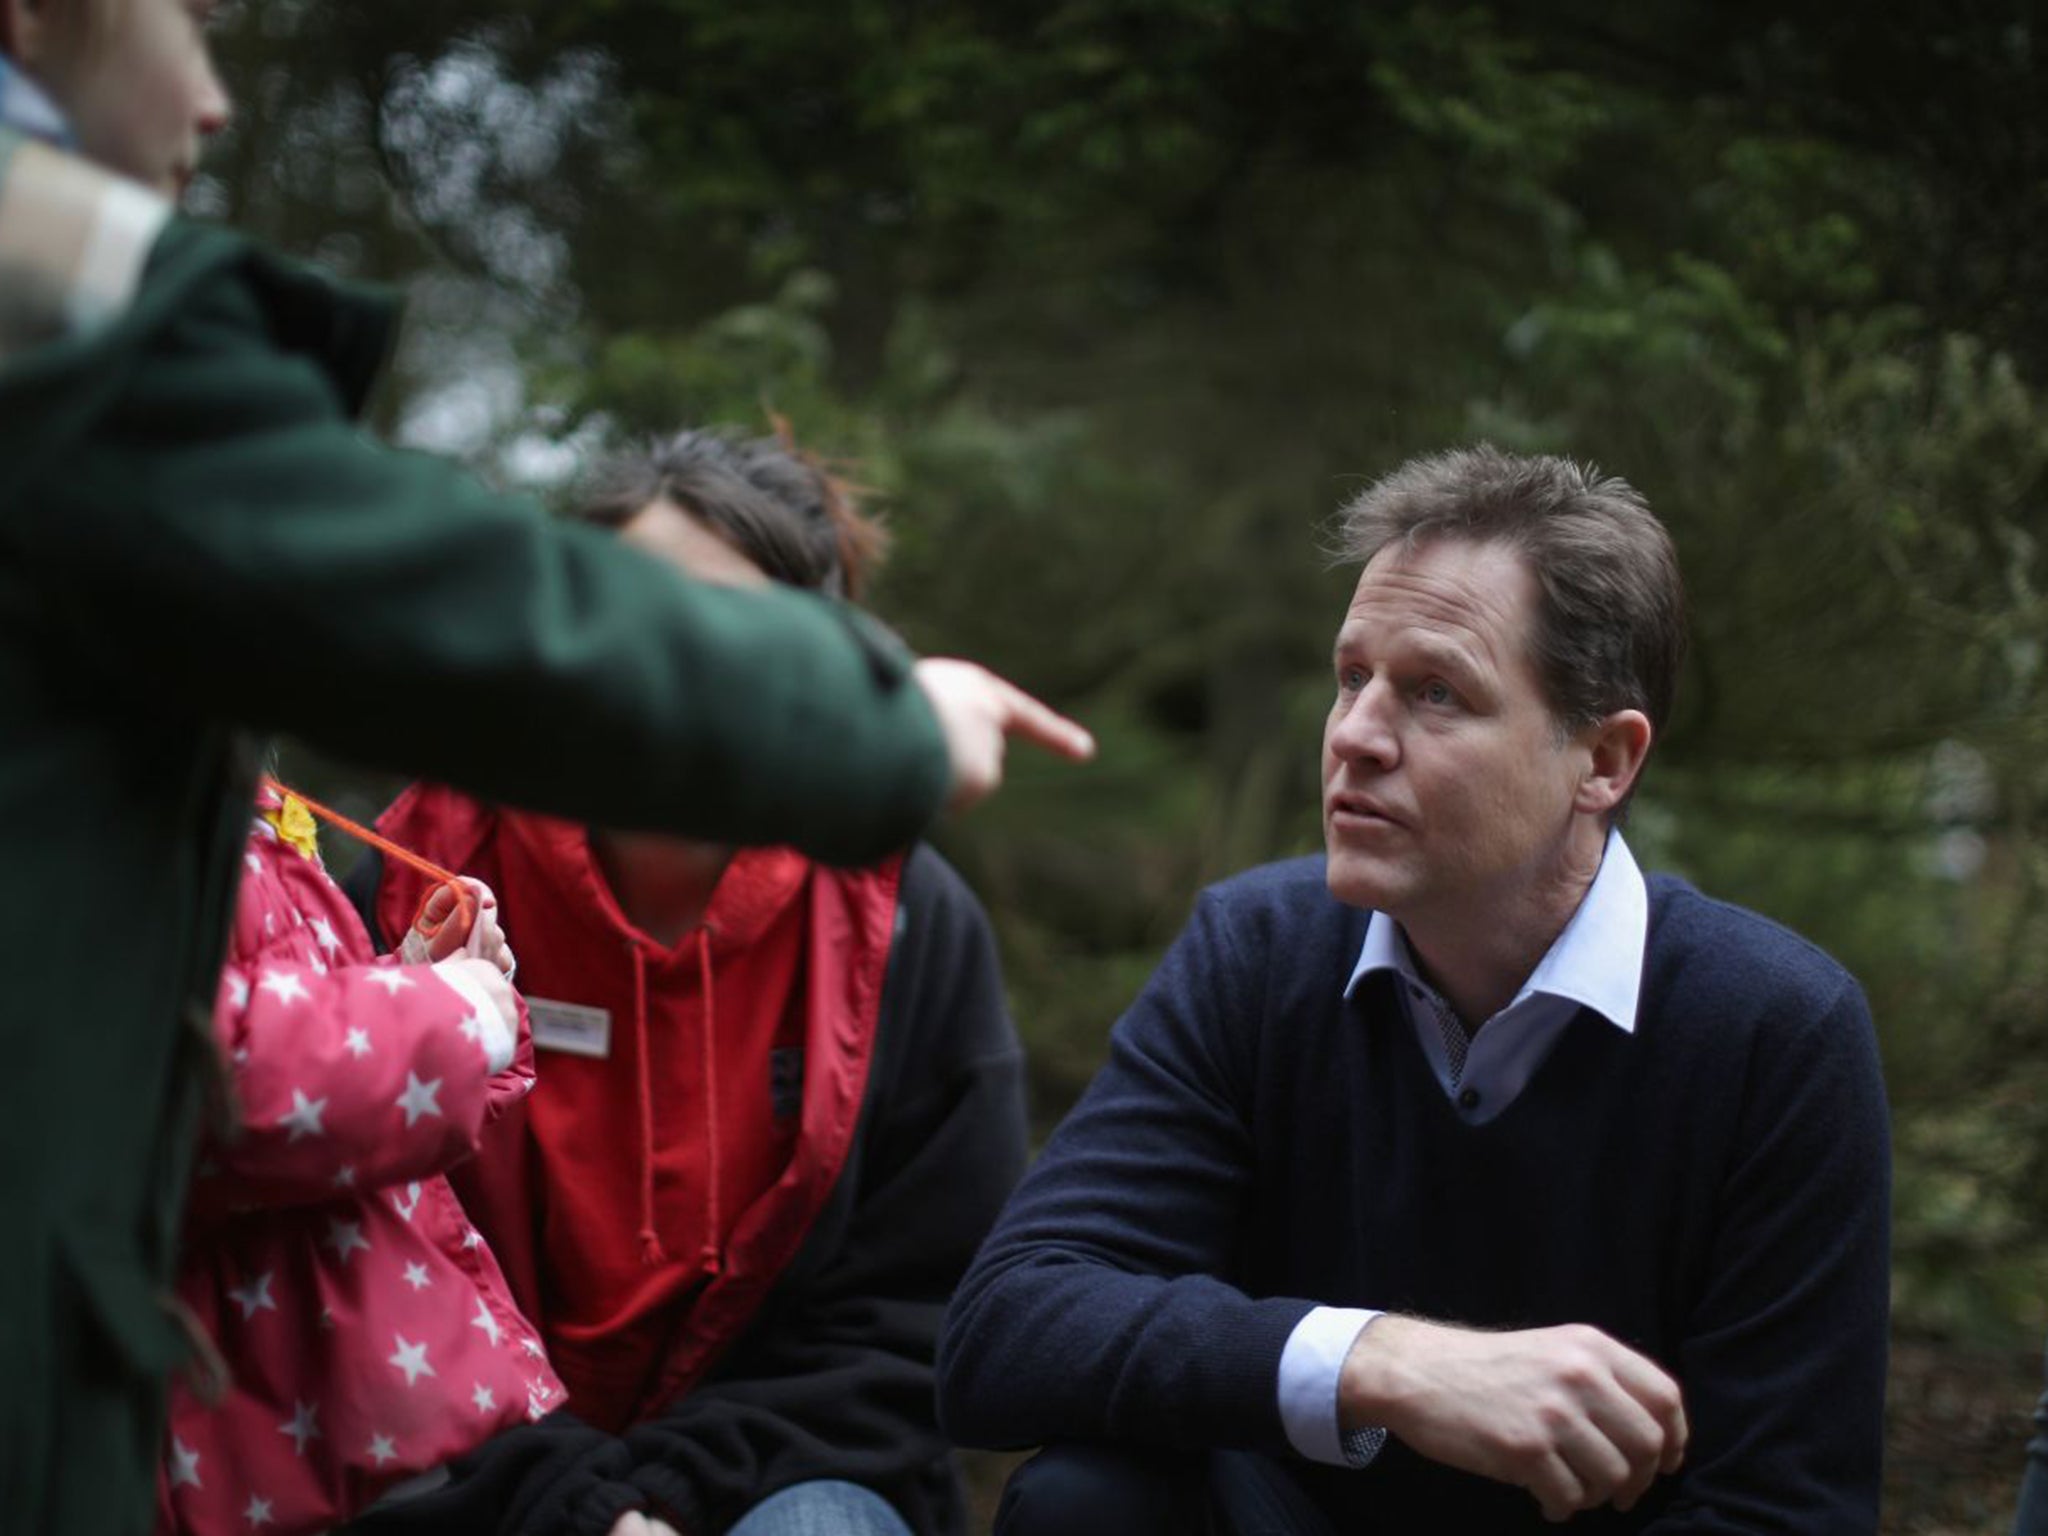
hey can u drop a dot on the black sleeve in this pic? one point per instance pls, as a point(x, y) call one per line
point(835, 1379)
point(1097, 1308)
point(557, 1477)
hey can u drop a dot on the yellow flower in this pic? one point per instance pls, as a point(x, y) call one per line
point(295, 825)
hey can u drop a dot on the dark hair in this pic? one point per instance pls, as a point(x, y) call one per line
point(773, 502)
point(1610, 625)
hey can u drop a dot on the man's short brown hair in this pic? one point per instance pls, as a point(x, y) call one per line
point(1610, 624)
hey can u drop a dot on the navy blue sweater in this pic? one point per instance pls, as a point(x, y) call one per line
point(1713, 1191)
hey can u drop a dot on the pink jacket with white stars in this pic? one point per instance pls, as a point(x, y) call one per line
point(367, 1333)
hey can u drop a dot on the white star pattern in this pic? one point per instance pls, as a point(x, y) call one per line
point(258, 1513)
point(255, 864)
point(532, 1347)
point(418, 1098)
point(345, 1176)
point(184, 1465)
point(391, 979)
point(411, 1359)
point(254, 1298)
point(304, 1120)
point(345, 1237)
point(416, 1276)
point(324, 936)
point(485, 1321)
point(407, 1203)
point(238, 990)
point(319, 966)
point(358, 1043)
point(285, 986)
point(302, 1426)
point(486, 1401)
point(327, 1319)
point(381, 1449)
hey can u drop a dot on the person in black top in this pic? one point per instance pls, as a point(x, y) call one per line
point(1461, 1179)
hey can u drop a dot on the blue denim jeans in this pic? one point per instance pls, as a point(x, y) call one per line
point(824, 1508)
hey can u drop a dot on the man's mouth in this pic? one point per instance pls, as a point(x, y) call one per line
point(1360, 811)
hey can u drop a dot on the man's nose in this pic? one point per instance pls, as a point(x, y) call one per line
point(1365, 732)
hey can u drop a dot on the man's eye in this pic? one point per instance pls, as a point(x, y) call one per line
point(1439, 692)
point(1351, 679)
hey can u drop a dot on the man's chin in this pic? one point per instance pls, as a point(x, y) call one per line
point(1356, 882)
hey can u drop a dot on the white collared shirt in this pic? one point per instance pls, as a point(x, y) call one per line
point(1596, 964)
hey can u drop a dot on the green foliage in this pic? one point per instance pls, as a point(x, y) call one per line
point(1113, 301)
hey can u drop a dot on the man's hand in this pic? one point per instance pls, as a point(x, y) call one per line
point(978, 712)
point(1567, 1413)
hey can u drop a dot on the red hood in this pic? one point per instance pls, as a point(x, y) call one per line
point(449, 828)
point(755, 890)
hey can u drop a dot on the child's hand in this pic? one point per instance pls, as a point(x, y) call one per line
point(497, 1012)
point(437, 933)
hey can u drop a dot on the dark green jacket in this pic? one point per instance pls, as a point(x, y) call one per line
point(198, 547)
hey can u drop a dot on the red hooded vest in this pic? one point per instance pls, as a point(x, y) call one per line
point(646, 1195)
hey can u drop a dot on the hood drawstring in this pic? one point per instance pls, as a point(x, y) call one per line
point(714, 1233)
point(652, 1254)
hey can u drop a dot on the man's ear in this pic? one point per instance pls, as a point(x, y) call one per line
point(1618, 745)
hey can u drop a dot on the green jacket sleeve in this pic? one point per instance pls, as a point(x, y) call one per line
point(229, 541)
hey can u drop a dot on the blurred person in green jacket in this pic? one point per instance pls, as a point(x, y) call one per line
point(197, 548)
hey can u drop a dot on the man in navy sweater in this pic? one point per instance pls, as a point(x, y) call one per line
point(1461, 1179)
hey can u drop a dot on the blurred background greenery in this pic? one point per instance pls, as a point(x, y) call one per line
point(1113, 301)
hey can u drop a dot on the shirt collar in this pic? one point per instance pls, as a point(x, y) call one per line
point(26, 108)
point(1596, 962)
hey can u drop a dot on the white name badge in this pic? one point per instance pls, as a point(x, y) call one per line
point(571, 1028)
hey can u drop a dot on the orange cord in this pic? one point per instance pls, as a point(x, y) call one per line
point(465, 904)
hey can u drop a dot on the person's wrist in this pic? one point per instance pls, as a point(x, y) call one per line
point(1372, 1381)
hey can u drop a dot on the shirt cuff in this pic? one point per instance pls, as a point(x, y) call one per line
point(1309, 1368)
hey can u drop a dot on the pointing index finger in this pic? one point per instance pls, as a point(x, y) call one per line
point(1025, 717)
